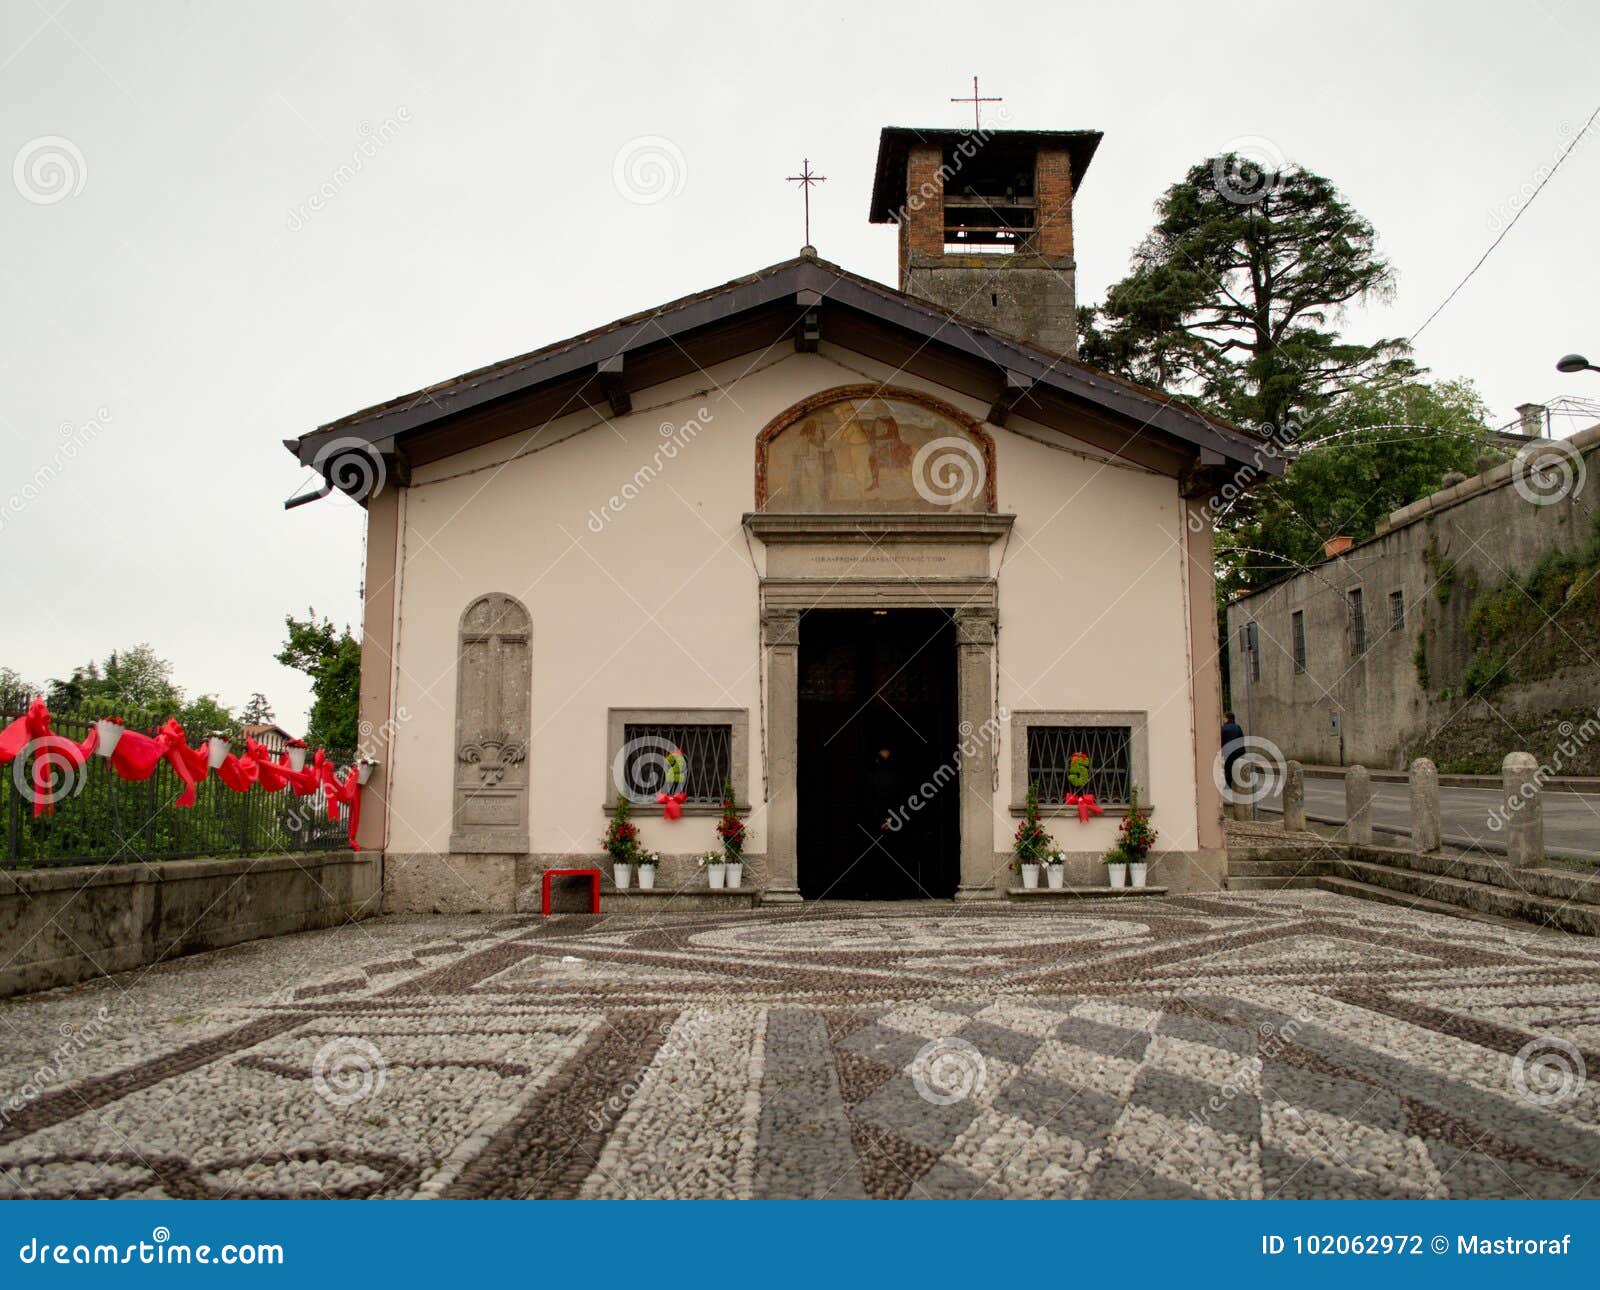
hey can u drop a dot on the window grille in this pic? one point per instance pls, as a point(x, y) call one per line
point(1109, 749)
point(1397, 610)
point(1297, 623)
point(1252, 650)
point(1358, 623)
point(707, 753)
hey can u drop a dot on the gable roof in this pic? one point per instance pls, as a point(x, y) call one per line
point(803, 282)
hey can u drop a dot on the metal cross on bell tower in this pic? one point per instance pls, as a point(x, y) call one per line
point(977, 100)
point(805, 179)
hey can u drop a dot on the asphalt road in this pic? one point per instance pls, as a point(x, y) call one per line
point(1571, 820)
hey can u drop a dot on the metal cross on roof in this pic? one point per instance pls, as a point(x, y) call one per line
point(975, 100)
point(805, 179)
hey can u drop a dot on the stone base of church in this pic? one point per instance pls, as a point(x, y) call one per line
point(505, 884)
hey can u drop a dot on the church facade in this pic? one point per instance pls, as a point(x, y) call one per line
point(874, 559)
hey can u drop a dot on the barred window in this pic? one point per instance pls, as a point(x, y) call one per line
point(1251, 637)
point(707, 755)
point(1397, 610)
point(715, 746)
point(1109, 749)
point(1297, 624)
point(1358, 623)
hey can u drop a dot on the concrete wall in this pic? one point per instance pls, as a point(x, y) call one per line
point(70, 924)
point(1438, 553)
point(644, 593)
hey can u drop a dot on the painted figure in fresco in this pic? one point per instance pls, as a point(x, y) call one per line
point(814, 463)
point(888, 450)
point(854, 447)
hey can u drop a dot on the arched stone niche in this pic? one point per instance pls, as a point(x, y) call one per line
point(494, 673)
point(864, 448)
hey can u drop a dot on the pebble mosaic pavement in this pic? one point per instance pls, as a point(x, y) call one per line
point(1285, 1044)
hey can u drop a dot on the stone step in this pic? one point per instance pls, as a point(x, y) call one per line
point(678, 899)
point(1560, 884)
point(1273, 882)
point(1300, 867)
point(1475, 898)
point(1080, 893)
point(1390, 896)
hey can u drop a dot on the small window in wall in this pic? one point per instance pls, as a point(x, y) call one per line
point(1297, 628)
point(1251, 639)
point(1358, 623)
point(1042, 744)
point(640, 741)
point(1397, 610)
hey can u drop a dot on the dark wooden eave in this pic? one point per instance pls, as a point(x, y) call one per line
point(783, 303)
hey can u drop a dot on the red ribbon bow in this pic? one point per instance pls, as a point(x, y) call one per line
point(52, 753)
point(671, 804)
point(1086, 805)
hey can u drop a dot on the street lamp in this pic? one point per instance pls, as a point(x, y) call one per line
point(1570, 363)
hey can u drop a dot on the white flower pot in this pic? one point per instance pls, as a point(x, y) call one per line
point(647, 877)
point(621, 875)
point(1118, 873)
point(1056, 876)
point(735, 874)
point(1030, 876)
point(217, 750)
point(717, 876)
point(107, 736)
point(364, 771)
point(1138, 871)
point(297, 759)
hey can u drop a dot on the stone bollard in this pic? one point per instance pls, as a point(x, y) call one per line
point(1519, 776)
point(1358, 806)
point(1424, 806)
point(1294, 798)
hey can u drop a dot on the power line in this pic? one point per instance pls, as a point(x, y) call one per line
point(1549, 175)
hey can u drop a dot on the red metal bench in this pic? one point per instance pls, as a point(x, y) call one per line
point(593, 875)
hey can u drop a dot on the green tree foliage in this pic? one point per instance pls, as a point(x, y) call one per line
point(16, 691)
point(1375, 450)
point(1235, 296)
point(204, 713)
point(331, 657)
point(129, 680)
point(257, 712)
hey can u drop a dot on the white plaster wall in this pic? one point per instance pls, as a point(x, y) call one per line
point(651, 599)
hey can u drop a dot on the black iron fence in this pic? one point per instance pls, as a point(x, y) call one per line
point(101, 818)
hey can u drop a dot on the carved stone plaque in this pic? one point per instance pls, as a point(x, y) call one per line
point(494, 670)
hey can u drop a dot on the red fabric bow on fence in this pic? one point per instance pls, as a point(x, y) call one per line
point(137, 756)
point(1086, 805)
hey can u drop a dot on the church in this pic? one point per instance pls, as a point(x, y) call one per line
point(873, 560)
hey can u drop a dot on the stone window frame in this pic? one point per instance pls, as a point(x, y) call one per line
point(738, 719)
point(1138, 723)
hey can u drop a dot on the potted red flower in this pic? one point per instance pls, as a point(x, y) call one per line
point(621, 841)
point(730, 828)
point(1032, 843)
point(297, 754)
point(108, 732)
point(1135, 838)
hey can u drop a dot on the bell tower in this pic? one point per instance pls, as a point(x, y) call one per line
point(985, 219)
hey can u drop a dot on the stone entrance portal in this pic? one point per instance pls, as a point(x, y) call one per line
point(866, 562)
point(878, 755)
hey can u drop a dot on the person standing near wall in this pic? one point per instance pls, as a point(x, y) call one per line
point(1232, 747)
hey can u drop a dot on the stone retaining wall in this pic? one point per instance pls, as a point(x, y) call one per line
point(58, 926)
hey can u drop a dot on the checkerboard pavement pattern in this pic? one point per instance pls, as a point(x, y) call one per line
point(1293, 1044)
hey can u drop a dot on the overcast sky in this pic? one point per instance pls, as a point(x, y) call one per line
point(175, 306)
